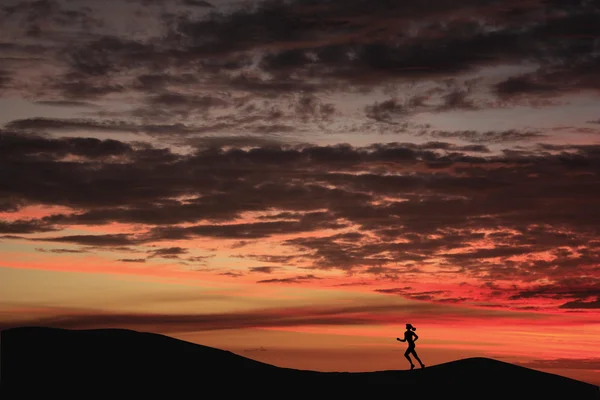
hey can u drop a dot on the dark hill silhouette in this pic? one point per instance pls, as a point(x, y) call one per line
point(117, 359)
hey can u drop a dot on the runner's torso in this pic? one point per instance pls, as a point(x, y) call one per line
point(409, 338)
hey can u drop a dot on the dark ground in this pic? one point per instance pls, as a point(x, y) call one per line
point(59, 362)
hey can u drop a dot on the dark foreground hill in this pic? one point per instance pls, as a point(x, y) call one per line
point(57, 360)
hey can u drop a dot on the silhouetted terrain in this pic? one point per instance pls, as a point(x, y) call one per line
point(59, 360)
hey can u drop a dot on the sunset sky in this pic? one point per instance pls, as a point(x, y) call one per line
point(295, 181)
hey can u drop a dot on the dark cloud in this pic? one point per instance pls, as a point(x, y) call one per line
point(352, 48)
point(489, 137)
point(583, 292)
point(263, 270)
point(525, 85)
point(179, 104)
point(92, 125)
point(294, 279)
point(255, 230)
point(423, 296)
point(352, 42)
point(65, 103)
point(574, 55)
point(268, 258)
point(197, 3)
point(579, 304)
point(168, 252)
point(25, 226)
point(132, 260)
point(394, 290)
point(43, 18)
point(233, 274)
point(199, 259)
point(160, 82)
point(43, 124)
point(208, 142)
point(350, 284)
point(5, 78)
point(22, 147)
point(81, 87)
point(450, 95)
point(341, 250)
point(107, 55)
point(61, 251)
point(93, 240)
point(253, 128)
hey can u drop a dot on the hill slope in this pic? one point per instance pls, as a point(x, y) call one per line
point(115, 358)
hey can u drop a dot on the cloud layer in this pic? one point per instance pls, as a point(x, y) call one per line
point(520, 227)
point(288, 67)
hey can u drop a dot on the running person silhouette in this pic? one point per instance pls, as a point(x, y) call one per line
point(408, 337)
